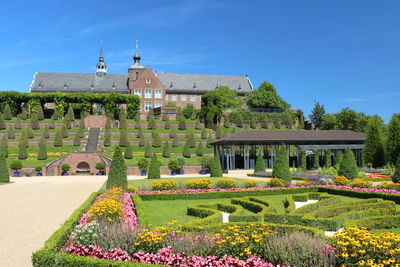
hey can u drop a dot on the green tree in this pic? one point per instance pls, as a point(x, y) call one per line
point(17, 123)
point(117, 174)
point(199, 150)
point(218, 133)
point(64, 131)
point(172, 133)
point(175, 142)
point(374, 151)
point(338, 159)
point(107, 141)
point(203, 133)
point(139, 133)
point(167, 125)
point(281, 167)
point(46, 133)
point(82, 127)
point(198, 125)
point(166, 151)
point(71, 113)
point(23, 141)
point(52, 124)
point(67, 121)
point(264, 121)
point(137, 121)
point(227, 123)
point(4, 176)
point(396, 175)
point(128, 151)
point(186, 150)
point(328, 159)
point(10, 133)
point(147, 150)
point(216, 169)
point(212, 107)
point(182, 124)
point(40, 113)
point(393, 139)
point(77, 140)
point(4, 146)
point(142, 141)
point(348, 167)
point(2, 124)
point(165, 116)
point(108, 123)
point(260, 163)
point(154, 168)
point(29, 132)
point(42, 155)
point(22, 154)
point(316, 159)
point(239, 122)
point(152, 121)
point(156, 140)
point(188, 111)
point(24, 115)
point(123, 138)
point(7, 112)
point(303, 160)
point(191, 140)
point(123, 123)
point(317, 115)
point(209, 139)
point(58, 141)
point(266, 97)
point(16, 165)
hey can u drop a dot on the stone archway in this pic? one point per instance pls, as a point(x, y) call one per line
point(83, 167)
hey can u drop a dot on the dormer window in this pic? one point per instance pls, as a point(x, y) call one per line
point(170, 86)
point(40, 85)
point(113, 86)
point(65, 86)
point(148, 80)
point(92, 87)
point(239, 88)
point(194, 85)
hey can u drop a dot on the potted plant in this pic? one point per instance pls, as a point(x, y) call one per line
point(174, 166)
point(16, 165)
point(181, 162)
point(205, 164)
point(65, 168)
point(38, 170)
point(100, 167)
point(143, 165)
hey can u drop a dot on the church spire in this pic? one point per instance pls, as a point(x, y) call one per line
point(101, 67)
point(136, 58)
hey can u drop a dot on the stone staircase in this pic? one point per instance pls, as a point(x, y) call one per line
point(93, 138)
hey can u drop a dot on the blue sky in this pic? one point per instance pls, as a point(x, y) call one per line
point(342, 53)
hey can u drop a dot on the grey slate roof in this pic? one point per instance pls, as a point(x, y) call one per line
point(79, 82)
point(297, 137)
point(179, 82)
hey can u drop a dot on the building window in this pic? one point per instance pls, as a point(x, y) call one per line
point(147, 93)
point(157, 104)
point(158, 93)
point(148, 80)
point(147, 106)
point(166, 97)
point(173, 98)
point(137, 76)
point(138, 92)
point(183, 97)
point(193, 98)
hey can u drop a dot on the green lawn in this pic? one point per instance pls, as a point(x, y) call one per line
point(394, 230)
point(32, 162)
point(50, 148)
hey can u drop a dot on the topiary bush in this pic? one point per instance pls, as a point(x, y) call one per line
point(2, 124)
point(22, 154)
point(7, 112)
point(173, 165)
point(216, 169)
point(156, 140)
point(154, 168)
point(117, 174)
point(77, 140)
point(182, 124)
point(34, 122)
point(175, 142)
point(172, 133)
point(65, 167)
point(143, 164)
point(4, 176)
point(206, 162)
point(4, 146)
point(186, 150)
point(123, 138)
point(64, 131)
point(128, 151)
point(199, 150)
point(58, 139)
point(15, 165)
point(10, 133)
point(17, 125)
point(42, 154)
point(147, 150)
point(203, 133)
point(166, 151)
point(260, 163)
point(46, 133)
point(348, 167)
point(281, 167)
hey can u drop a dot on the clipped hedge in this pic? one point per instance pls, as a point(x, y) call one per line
point(318, 205)
point(141, 212)
point(378, 222)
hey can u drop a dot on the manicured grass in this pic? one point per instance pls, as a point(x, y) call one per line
point(50, 148)
point(394, 230)
point(32, 162)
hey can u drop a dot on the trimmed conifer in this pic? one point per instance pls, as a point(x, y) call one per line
point(186, 150)
point(179, 114)
point(123, 138)
point(29, 132)
point(175, 142)
point(396, 175)
point(167, 125)
point(34, 122)
point(24, 114)
point(239, 121)
point(172, 133)
point(218, 133)
point(22, 154)
point(338, 159)
point(374, 151)
point(165, 116)
point(209, 139)
point(2, 124)
point(40, 113)
point(117, 174)
point(156, 140)
point(4, 146)
point(182, 123)
point(253, 123)
point(203, 133)
point(77, 139)
point(316, 159)
point(18, 123)
point(67, 121)
point(82, 127)
point(191, 140)
point(123, 123)
point(151, 121)
point(199, 150)
point(107, 141)
point(227, 122)
point(10, 133)
point(216, 169)
point(42, 154)
point(303, 160)
point(260, 163)
point(166, 151)
point(7, 112)
point(54, 116)
point(142, 141)
point(147, 150)
point(108, 123)
point(139, 133)
point(64, 131)
point(264, 122)
point(71, 113)
point(52, 124)
point(128, 151)
point(197, 125)
point(137, 124)
point(150, 115)
point(348, 167)
point(23, 141)
point(4, 175)
point(46, 133)
point(58, 141)
point(281, 167)
point(154, 168)
point(328, 159)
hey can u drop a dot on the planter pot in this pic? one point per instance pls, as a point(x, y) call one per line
point(207, 171)
point(203, 172)
point(143, 173)
point(181, 171)
point(65, 174)
point(17, 174)
point(39, 174)
point(100, 173)
point(173, 172)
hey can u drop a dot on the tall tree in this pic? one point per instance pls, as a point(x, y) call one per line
point(216, 169)
point(266, 97)
point(154, 168)
point(317, 115)
point(117, 174)
point(281, 167)
point(42, 154)
point(348, 167)
point(393, 139)
point(374, 151)
point(4, 175)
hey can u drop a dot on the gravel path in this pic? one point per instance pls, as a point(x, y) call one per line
point(33, 208)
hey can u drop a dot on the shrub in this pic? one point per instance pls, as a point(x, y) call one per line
point(29, 132)
point(147, 150)
point(281, 167)
point(348, 166)
point(52, 124)
point(4, 176)
point(206, 162)
point(303, 160)
point(154, 168)
point(175, 142)
point(123, 138)
point(250, 183)
point(22, 154)
point(42, 154)
point(34, 122)
point(165, 116)
point(2, 124)
point(18, 123)
point(396, 175)
point(260, 163)
point(67, 121)
point(7, 112)
point(77, 139)
point(216, 169)
point(276, 182)
point(46, 133)
point(209, 139)
point(65, 167)
point(226, 183)
point(108, 123)
point(173, 165)
point(341, 180)
point(117, 174)
point(199, 184)
point(139, 133)
point(142, 141)
point(198, 125)
point(64, 131)
point(166, 151)
point(227, 123)
point(38, 168)
point(100, 165)
point(203, 133)
point(156, 140)
point(167, 125)
point(191, 140)
point(107, 141)
point(128, 151)
point(338, 159)
point(15, 165)
point(253, 123)
point(172, 133)
point(24, 114)
point(186, 150)
point(58, 139)
point(188, 111)
point(70, 113)
point(199, 150)
point(360, 183)
point(4, 146)
point(123, 124)
point(143, 164)
point(152, 122)
point(164, 185)
point(10, 133)
point(218, 133)
point(182, 124)
point(316, 159)
point(328, 159)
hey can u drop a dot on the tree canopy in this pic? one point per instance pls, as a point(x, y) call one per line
point(266, 97)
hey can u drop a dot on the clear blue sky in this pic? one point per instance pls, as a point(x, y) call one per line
point(342, 53)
